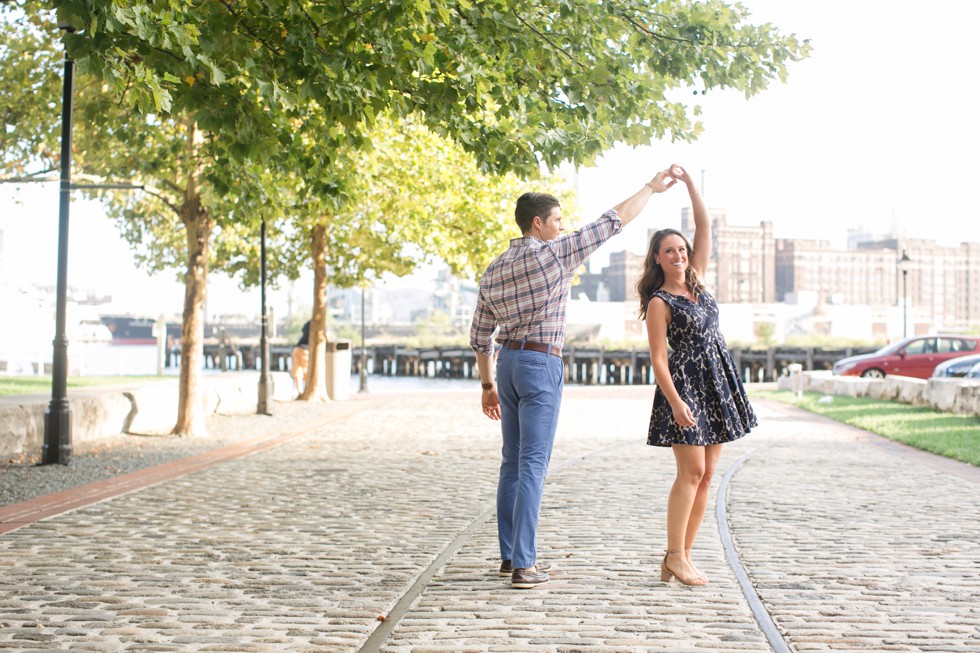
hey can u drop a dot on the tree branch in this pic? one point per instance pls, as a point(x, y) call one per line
point(28, 177)
point(251, 32)
point(150, 190)
point(355, 14)
point(172, 186)
point(545, 38)
point(677, 39)
point(649, 32)
point(316, 28)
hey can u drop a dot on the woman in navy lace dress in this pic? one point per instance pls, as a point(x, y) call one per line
point(700, 402)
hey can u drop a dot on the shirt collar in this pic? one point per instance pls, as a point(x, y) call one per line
point(526, 241)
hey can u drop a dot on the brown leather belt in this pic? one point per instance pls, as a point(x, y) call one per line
point(533, 346)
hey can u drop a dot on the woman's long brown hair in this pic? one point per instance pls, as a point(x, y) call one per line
point(653, 275)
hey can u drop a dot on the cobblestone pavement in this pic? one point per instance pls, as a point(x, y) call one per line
point(853, 548)
point(317, 544)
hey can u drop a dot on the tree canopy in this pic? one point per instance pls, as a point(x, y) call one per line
point(516, 82)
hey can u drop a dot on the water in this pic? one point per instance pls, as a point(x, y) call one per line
point(104, 359)
point(390, 384)
point(84, 359)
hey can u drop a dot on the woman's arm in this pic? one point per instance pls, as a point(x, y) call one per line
point(702, 229)
point(658, 317)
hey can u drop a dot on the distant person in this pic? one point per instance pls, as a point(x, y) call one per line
point(522, 299)
point(301, 357)
point(699, 403)
point(301, 360)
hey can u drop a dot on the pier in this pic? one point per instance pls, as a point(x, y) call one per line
point(583, 365)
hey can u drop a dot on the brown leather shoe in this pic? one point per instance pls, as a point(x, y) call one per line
point(506, 569)
point(527, 578)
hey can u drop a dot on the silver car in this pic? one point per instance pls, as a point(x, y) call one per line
point(956, 367)
point(974, 372)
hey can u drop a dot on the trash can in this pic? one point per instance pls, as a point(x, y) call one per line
point(796, 378)
point(337, 366)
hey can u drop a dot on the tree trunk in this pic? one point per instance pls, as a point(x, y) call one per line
point(198, 225)
point(316, 389)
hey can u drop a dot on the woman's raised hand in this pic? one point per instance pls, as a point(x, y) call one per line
point(658, 184)
point(678, 173)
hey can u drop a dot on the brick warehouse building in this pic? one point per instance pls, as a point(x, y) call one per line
point(750, 265)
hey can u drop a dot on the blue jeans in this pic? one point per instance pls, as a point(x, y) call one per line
point(529, 385)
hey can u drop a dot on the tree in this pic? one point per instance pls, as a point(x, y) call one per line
point(764, 333)
point(436, 328)
point(403, 197)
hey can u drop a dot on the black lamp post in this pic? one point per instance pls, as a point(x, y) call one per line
point(364, 385)
point(266, 387)
point(903, 265)
point(57, 420)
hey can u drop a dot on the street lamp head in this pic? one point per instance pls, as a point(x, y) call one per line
point(903, 263)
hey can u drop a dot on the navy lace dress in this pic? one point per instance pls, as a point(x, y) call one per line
point(705, 377)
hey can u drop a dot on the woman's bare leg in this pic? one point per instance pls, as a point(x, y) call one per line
point(691, 463)
point(700, 505)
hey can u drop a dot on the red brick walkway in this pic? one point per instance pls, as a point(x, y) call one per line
point(22, 514)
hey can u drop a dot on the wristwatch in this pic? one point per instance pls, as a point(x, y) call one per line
point(487, 386)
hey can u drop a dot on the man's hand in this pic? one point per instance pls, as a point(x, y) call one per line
point(630, 208)
point(658, 184)
point(491, 403)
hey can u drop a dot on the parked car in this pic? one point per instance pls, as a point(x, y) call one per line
point(916, 357)
point(974, 372)
point(956, 367)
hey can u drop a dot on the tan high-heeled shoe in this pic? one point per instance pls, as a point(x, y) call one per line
point(701, 575)
point(666, 573)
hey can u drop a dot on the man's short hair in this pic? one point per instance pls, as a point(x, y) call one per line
point(533, 204)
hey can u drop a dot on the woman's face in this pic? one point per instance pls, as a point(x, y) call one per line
point(672, 256)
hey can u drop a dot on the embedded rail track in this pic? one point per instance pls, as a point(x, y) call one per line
point(762, 617)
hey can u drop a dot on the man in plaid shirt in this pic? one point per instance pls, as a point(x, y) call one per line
point(522, 300)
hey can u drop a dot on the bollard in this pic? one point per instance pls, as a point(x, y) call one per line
point(160, 333)
point(796, 378)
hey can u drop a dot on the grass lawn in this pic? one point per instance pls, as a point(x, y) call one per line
point(33, 385)
point(947, 434)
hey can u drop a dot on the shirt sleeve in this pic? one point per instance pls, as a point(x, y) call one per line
point(481, 331)
point(573, 249)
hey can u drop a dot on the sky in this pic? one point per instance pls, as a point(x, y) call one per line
point(876, 129)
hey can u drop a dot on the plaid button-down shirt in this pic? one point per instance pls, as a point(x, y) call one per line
point(525, 289)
